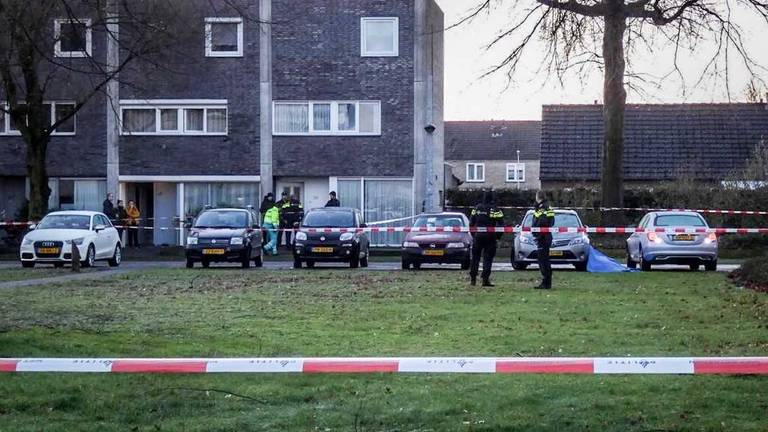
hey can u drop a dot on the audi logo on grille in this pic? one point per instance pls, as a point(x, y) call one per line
point(46, 243)
point(433, 245)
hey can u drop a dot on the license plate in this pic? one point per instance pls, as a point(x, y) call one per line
point(322, 249)
point(213, 251)
point(48, 251)
point(684, 237)
point(556, 253)
point(434, 252)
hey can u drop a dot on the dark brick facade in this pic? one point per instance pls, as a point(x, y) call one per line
point(316, 56)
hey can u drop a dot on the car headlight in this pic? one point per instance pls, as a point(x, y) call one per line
point(527, 240)
point(347, 236)
point(27, 242)
point(410, 244)
point(192, 240)
point(457, 245)
point(78, 241)
point(236, 241)
point(302, 236)
point(580, 240)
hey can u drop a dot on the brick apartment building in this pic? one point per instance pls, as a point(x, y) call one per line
point(303, 96)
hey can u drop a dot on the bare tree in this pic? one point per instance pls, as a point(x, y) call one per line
point(48, 50)
point(579, 34)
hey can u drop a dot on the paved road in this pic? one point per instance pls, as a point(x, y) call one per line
point(102, 270)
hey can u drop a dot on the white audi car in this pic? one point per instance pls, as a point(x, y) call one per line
point(51, 241)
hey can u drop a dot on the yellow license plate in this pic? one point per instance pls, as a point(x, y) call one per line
point(434, 252)
point(213, 251)
point(556, 253)
point(322, 249)
point(48, 250)
point(685, 237)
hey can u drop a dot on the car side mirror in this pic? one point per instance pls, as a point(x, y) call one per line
point(255, 226)
point(32, 227)
point(362, 225)
point(187, 225)
point(98, 228)
point(295, 224)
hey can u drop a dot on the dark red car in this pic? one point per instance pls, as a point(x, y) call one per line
point(437, 247)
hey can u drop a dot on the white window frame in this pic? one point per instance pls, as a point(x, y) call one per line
point(475, 179)
point(88, 38)
point(180, 106)
point(514, 166)
point(395, 37)
point(209, 52)
point(334, 119)
point(7, 120)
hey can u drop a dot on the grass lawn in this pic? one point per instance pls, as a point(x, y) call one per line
point(230, 312)
point(9, 274)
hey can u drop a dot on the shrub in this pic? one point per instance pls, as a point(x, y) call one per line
point(753, 273)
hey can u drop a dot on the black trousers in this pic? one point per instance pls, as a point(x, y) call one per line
point(485, 245)
point(133, 236)
point(545, 267)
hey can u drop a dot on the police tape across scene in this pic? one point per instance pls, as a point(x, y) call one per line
point(486, 365)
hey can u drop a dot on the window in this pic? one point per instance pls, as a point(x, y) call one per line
point(76, 194)
point(382, 199)
point(223, 37)
point(163, 117)
point(476, 172)
point(66, 192)
point(56, 111)
point(516, 172)
point(379, 37)
point(327, 118)
point(72, 38)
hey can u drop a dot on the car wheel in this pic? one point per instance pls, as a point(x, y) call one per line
point(297, 263)
point(631, 264)
point(90, 257)
point(465, 264)
point(259, 260)
point(694, 267)
point(517, 265)
point(117, 256)
point(644, 265)
point(405, 264)
point(711, 266)
point(27, 264)
point(582, 267)
point(190, 263)
point(205, 263)
point(58, 265)
point(310, 264)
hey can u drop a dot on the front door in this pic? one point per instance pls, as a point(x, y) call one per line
point(295, 189)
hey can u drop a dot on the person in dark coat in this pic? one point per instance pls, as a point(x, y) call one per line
point(121, 219)
point(484, 215)
point(291, 212)
point(108, 207)
point(543, 217)
point(332, 201)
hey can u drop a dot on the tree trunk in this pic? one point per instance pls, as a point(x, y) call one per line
point(614, 105)
point(38, 177)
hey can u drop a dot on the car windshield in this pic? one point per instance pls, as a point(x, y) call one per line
point(329, 219)
point(222, 219)
point(562, 220)
point(679, 221)
point(438, 221)
point(79, 222)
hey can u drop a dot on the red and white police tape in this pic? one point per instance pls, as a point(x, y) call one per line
point(640, 209)
point(487, 365)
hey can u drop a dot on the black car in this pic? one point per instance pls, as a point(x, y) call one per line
point(224, 235)
point(311, 247)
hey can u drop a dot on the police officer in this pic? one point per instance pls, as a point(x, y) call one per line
point(484, 215)
point(543, 217)
point(291, 212)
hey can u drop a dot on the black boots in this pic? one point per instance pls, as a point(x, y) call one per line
point(543, 286)
point(487, 283)
point(473, 280)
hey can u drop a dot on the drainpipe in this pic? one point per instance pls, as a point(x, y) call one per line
point(113, 98)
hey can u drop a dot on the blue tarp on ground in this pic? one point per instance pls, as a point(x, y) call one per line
point(601, 263)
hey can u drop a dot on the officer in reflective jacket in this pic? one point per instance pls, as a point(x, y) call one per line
point(483, 216)
point(543, 217)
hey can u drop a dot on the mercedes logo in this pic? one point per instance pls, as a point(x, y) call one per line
point(322, 238)
point(213, 241)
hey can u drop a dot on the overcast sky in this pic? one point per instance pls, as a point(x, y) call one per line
point(469, 97)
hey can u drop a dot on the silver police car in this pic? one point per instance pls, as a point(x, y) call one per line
point(692, 249)
point(567, 248)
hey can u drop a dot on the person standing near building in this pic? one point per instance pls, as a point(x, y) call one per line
point(270, 224)
point(108, 207)
point(267, 203)
point(484, 215)
point(332, 200)
point(291, 212)
point(543, 217)
point(132, 224)
point(122, 219)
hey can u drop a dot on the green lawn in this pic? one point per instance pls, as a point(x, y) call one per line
point(229, 312)
point(39, 272)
